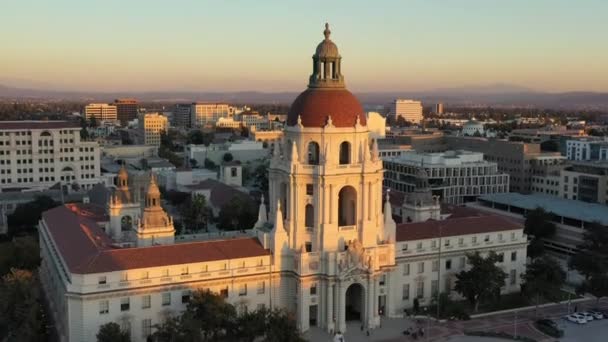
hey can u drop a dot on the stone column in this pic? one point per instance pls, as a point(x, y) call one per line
point(376, 317)
point(330, 307)
point(369, 312)
point(340, 314)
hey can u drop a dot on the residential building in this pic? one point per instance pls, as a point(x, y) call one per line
point(39, 154)
point(410, 110)
point(126, 110)
point(152, 126)
point(455, 177)
point(101, 112)
point(326, 247)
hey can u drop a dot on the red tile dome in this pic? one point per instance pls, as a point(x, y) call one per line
point(315, 105)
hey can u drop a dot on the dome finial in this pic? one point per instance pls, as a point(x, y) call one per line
point(327, 32)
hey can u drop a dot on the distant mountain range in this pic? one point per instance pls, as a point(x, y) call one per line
point(491, 95)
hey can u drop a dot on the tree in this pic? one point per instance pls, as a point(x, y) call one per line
point(416, 307)
point(21, 316)
point(228, 157)
point(209, 164)
point(591, 260)
point(26, 215)
point(539, 226)
point(544, 278)
point(195, 213)
point(193, 163)
point(237, 214)
point(211, 314)
point(93, 122)
point(20, 253)
point(199, 138)
point(111, 332)
point(482, 280)
point(260, 176)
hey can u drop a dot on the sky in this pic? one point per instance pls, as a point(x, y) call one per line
point(233, 45)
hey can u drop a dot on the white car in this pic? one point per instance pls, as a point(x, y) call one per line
point(588, 316)
point(574, 318)
point(596, 314)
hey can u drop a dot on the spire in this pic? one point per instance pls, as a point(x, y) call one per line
point(375, 153)
point(153, 194)
point(262, 216)
point(389, 224)
point(278, 220)
point(294, 152)
point(327, 31)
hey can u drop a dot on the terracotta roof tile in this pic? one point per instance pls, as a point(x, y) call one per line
point(314, 105)
point(455, 227)
point(85, 247)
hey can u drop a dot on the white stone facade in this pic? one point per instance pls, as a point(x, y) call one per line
point(38, 154)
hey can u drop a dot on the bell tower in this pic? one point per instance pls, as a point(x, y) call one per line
point(325, 189)
point(155, 226)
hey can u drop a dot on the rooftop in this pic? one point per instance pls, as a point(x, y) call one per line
point(85, 247)
point(578, 210)
point(455, 227)
point(36, 124)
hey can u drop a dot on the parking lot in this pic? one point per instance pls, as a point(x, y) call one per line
point(594, 331)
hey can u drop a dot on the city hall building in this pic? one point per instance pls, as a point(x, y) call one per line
point(327, 249)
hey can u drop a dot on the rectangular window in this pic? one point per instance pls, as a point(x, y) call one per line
point(434, 287)
point(185, 297)
point(261, 287)
point(104, 307)
point(404, 247)
point(462, 262)
point(487, 238)
point(243, 290)
point(146, 327)
point(102, 280)
point(233, 172)
point(419, 245)
point(309, 189)
point(513, 256)
point(461, 241)
point(448, 264)
point(421, 267)
point(447, 242)
point(146, 302)
point(124, 276)
point(406, 269)
point(420, 289)
point(474, 239)
point(405, 295)
point(125, 304)
point(313, 290)
point(501, 257)
point(435, 266)
point(166, 298)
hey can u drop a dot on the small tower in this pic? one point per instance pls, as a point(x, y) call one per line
point(155, 226)
point(231, 173)
point(122, 208)
point(420, 205)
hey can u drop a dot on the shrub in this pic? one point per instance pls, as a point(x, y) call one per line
point(549, 330)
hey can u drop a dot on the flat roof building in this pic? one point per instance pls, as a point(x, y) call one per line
point(455, 176)
point(410, 110)
point(101, 112)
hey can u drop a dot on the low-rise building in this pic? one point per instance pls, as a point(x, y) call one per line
point(39, 154)
point(587, 149)
point(409, 110)
point(455, 177)
point(585, 181)
point(101, 112)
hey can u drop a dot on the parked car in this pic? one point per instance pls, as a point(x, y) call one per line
point(588, 316)
point(596, 314)
point(574, 318)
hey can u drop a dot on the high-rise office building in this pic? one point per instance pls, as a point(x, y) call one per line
point(438, 108)
point(203, 114)
point(410, 110)
point(151, 126)
point(101, 112)
point(126, 110)
point(182, 116)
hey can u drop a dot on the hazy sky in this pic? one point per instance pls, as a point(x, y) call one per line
point(116, 45)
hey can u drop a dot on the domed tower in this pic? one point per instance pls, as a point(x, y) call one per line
point(420, 205)
point(326, 177)
point(122, 208)
point(155, 226)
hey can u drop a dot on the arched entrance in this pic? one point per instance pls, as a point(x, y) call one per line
point(354, 303)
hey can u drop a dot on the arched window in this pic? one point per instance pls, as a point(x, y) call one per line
point(309, 220)
point(45, 134)
point(313, 153)
point(347, 206)
point(126, 223)
point(344, 153)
